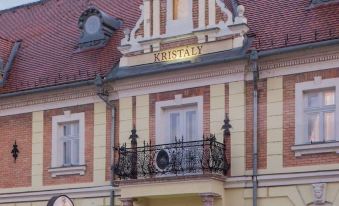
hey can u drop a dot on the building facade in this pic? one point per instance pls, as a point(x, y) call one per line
point(170, 102)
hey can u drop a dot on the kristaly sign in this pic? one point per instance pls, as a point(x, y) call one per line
point(178, 53)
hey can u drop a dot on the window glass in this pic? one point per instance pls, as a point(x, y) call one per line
point(313, 125)
point(70, 143)
point(191, 125)
point(329, 98)
point(329, 119)
point(174, 126)
point(67, 152)
point(313, 100)
point(320, 115)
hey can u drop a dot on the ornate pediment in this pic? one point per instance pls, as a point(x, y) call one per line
point(177, 23)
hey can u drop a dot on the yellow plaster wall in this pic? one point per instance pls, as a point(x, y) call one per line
point(237, 110)
point(217, 110)
point(92, 202)
point(296, 195)
point(180, 201)
point(126, 121)
point(274, 124)
point(37, 148)
point(99, 159)
point(177, 188)
point(102, 201)
point(142, 118)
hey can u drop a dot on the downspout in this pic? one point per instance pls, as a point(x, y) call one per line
point(255, 72)
point(102, 94)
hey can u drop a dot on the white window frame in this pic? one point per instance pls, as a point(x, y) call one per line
point(301, 147)
point(178, 27)
point(57, 167)
point(161, 118)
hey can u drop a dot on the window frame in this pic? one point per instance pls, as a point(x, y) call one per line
point(301, 146)
point(57, 165)
point(161, 116)
point(321, 110)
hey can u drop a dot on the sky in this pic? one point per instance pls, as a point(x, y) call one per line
point(6, 4)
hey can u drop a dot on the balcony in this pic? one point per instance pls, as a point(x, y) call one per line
point(180, 158)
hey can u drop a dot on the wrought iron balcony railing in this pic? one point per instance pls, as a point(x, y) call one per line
point(176, 159)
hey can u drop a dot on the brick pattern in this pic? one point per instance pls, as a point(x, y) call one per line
point(195, 13)
point(163, 16)
point(206, 13)
point(191, 92)
point(19, 128)
point(89, 122)
point(219, 15)
point(140, 31)
point(134, 111)
point(289, 159)
point(184, 42)
point(262, 124)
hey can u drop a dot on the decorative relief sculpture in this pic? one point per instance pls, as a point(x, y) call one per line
point(319, 193)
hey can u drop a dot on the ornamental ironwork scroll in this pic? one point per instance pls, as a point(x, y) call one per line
point(206, 156)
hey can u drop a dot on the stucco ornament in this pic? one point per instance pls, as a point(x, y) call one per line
point(319, 193)
point(240, 18)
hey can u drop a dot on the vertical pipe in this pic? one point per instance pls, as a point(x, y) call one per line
point(112, 153)
point(254, 68)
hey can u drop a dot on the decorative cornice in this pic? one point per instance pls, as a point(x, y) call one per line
point(289, 61)
point(47, 98)
point(271, 180)
point(230, 69)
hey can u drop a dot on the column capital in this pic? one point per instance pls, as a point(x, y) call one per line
point(127, 201)
point(208, 198)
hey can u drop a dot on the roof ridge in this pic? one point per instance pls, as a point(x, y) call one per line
point(23, 6)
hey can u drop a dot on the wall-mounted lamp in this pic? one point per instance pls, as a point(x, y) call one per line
point(15, 151)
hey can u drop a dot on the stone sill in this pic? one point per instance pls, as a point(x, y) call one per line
point(69, 170)
point(316, 148)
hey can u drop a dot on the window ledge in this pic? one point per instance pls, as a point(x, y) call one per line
point(71, 170)
point(315, 148)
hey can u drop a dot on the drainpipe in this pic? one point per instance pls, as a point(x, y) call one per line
point(255, 72)
point(102, 94)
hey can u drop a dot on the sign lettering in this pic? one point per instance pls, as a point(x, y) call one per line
point(178, 53)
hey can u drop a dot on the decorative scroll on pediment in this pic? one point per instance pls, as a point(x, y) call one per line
point(198, 24)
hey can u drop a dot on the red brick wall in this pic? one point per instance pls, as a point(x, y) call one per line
point(262, 124)
point(289, 121)
point(163, 16)
point(195, 13)
point(199, 91)
point(219, 15)
point(89, 122)
point(184, 42)
point(19, 128)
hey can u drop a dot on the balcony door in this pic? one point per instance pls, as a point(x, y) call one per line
point(183, 123)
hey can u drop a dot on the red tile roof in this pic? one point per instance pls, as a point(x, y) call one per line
point(49, 34)
point(281, 23)
point(5, 49)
